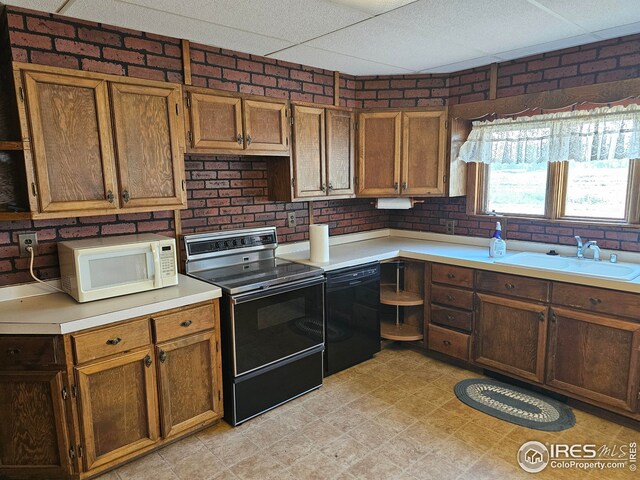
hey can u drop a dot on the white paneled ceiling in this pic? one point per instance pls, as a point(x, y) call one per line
point(368, 37)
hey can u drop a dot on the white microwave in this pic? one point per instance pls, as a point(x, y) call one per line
point(97, 268)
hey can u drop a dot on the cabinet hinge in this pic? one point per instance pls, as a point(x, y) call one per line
point(184, 185)
point(293, 182)
point(21, 92)
point(80, 451)
point(287, 140)
point(190, 136)
point(446, 124)
point(64, 393)
point(74, 391)
point(355, 181)
point(188, 101)
point(219, 396)
point(217, 347)
point(72, 453)
point(291, 120)
point(34, 190)
point(638, 395)
point(444, 179)
point(355, 126)
point(177, 110)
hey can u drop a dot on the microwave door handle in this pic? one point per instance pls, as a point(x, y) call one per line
point(157, 281)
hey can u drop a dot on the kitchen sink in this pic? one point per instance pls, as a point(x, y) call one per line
point(587, 267)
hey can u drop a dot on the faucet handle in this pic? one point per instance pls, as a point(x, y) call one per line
point(579, 240)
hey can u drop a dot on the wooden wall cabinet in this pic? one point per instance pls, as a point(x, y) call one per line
point(99, 144)
point(401, 153)
point(220, 122)
point(322, 163)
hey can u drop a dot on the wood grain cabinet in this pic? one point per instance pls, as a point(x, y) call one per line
point(220, 122)
point(322, 163)
point(99, 144)
point(401, 153)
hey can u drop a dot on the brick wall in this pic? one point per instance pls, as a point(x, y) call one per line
point(398, 91)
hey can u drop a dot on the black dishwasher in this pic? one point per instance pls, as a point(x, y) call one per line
point(352, 320)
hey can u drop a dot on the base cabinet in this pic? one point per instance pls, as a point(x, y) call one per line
point(595, 357)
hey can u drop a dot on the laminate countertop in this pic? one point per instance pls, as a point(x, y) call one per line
point(32, 309)
point(350, 250)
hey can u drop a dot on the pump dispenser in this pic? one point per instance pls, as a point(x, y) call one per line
point(497, 246)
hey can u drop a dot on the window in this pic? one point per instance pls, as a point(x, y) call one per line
point(579, 165)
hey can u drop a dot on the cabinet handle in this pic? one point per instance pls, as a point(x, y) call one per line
point(147, 361)
point(110, 196)
point(451, 298)
point(114, 341)
point(450, 318)
point(404, 185)
point(186, 323)
point(541, 316)
point(595, 301)
point(162, 356)
point(330, 186)
point(12, 352)
point(125, 196)
point(446, 342)
point(248, 139)
point(554, 319)
point(239, 139)
point(324, 187)
point(509, 286)
point(395, 186)
point(450, 276)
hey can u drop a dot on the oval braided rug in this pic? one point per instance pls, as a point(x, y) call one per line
point(514, 404)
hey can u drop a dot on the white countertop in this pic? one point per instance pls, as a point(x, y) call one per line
point(32, 309)
point(350, 250)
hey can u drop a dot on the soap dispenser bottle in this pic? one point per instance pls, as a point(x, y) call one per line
point(497, 246)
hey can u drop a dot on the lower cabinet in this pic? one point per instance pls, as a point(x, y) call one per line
point(118, 407)
point(595, 357)
point(510, 336)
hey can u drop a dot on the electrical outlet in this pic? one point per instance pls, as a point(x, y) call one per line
point(449, 224)
point(291, 219)
point(28, 240)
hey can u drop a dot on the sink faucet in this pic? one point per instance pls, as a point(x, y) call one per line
point(590, 244)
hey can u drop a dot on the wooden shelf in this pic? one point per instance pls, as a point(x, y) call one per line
point(389, 296)
point(5, 146)
point(402, 332)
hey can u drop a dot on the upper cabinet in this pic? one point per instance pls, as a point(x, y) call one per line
point(402, 153)
point(322, 162)
point(99, 144)
point(220, 122)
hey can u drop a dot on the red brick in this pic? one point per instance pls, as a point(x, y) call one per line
point(620, 49)
point(577, 81)
point(579, 57)
point(252, 89)
point(376, 84)
point(197, 55)
point(222, 85)
point(78, 232)
point(264, 80)
point(616, 75)
point(376, 103)
point(153, 226)
point(276, 70)
point(250, 66)
point(77, 48)
point(276, 93)
point(473, 77)
point(236, 76)
point(302, 75)
point(206, 70)
point(508, 70)
point(50, 27)
point(15, 21)
point(164, 62)
point(102, 67)
point(323, 79)
point(143, 44)
point(54, 59)
point(323, 99)
point(312, 88)
point(568, 71)
point(598, 65)
point(460, 90)
point(511, 91)
point(173, 51)
point(544, 64)
point(526, 78)
point(30, 40)
point(125, 56)
point(402, 103)
point(19, 54)
point(628, 60)
point(99, 36)
point(142, 72)
point(542, 86)
point(403, 83)
point(301, 97)
point(175, 77)
point(289, 84)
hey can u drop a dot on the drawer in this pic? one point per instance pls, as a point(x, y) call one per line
point(597, 300)
point(454, 344)
point(458, 276)
point(184, 322)
point(513, 285)
point(30, 350)
point(452, 297)
point(451, 318)
point(111, 340)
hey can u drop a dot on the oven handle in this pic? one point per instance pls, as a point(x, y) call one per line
point(268, 292)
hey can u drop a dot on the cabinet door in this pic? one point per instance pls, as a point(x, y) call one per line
point(216, 122)
point(595, 357)
point(71, 141)
point(423, 153)
point(33, 430)
point(148, 138)
point(510, 335)
point(309, 163)
point(379, 153)
point(340, 152)
point(266, 126)
point(118, 407)
point(189, 378)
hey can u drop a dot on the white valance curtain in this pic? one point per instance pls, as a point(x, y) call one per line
point(608, 133)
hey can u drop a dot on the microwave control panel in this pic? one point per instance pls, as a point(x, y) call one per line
point(167, 260)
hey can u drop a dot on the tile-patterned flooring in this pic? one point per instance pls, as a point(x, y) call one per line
point(393, 417)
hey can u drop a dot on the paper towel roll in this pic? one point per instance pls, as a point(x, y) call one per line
point(394, 203)
point(319, 243)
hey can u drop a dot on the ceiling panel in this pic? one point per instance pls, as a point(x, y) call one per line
point(464, 65)
point(377, 40)
point(42, 5)
point(334, 61)
point(132, 16)
point(593, 15)
point(291, 20)
point(373, 7)
point(547, 47)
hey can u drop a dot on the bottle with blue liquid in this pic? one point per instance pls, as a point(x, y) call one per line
point(497, 246)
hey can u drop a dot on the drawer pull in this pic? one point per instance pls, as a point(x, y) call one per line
point(450, 276)
point(451, 298)
point(509, 286)
point(147, 361)
point(446, 342)
point(541, 316)
point(595, 301)
point(114, 341)
point(186, 323)
point(12, 352)
point(162, 356)
point(451, 318)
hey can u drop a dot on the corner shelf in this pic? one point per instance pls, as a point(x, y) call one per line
point(394, 294)
point(400, 332)
point(402, 298)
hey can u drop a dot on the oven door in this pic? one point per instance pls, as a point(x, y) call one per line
point(274, 324)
